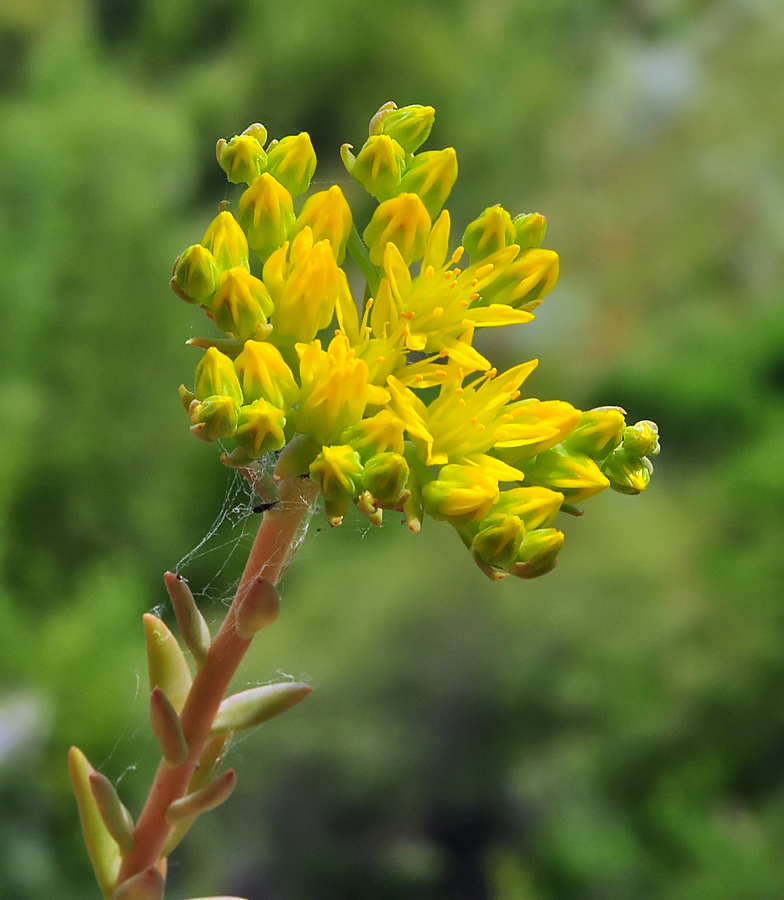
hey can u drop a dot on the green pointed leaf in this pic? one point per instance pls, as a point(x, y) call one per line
point(102, 848)
point(192, 626)
point(211, 795)
point(257, 705)
point(168, 666)
point(167, 728)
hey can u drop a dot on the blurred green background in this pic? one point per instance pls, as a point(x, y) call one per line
point(614, 730)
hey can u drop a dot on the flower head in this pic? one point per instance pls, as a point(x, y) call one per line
point(384, 400)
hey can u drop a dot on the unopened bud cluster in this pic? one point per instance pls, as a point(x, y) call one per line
point(385, 403)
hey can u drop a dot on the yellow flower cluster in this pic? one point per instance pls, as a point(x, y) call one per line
point(387, 404)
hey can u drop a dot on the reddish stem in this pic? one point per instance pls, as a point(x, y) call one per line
point(271, 550)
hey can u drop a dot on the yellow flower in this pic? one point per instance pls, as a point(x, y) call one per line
point(492, 230)
point(306, 285)
point(335, 389)
point(410, 125)
point(431, 176)
point(243, 158)
point(260, 428)
point(463, 421)
point(378, 166)
point(215, 376)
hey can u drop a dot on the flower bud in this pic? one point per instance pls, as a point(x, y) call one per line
point(492, 230)
point(598, 432)
point(267, 214)
point(628, 473)
point(403, 221)
point(259, 428)
point(214, 418)
point(328, 216)
point(461, 494)
point(538, 553)
point(529, 230)
point(410, 125)
point(498, 540)
point(376, 434)
point(265, 375)
point(534, 506)
point(386, 476)
point(574, 475)
point(642, 438)
point(378, 167)
point(292, 161)
point(337, 471)
point(311, 289)
point(195, 276)
point(431, 175)
point(242, 158)
point(523, 283)
point(226, 241)
point(242, 304)
point(215, 376)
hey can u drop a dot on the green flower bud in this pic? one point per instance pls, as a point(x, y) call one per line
point(242, 158)
point(328, 215)
point(402, 221)
point(264, 374)
point(627, 472)
point(431, 175)
point(598, 432)
point(386, 476)
point(498, 540)
point(215, 376)
point(337, 471)
point(195, 276)
point(529, 230)
point(292, 161)
point(241, 305)
point(378, 167)
point(642, 438)
point(214, 418)
point(538, 553)
point(574, 475)
point(525, 282)
point(492, 230)
point(267, 214)
point(410, 126)
point(260, 428)
point(226, 241)
point(461, 494)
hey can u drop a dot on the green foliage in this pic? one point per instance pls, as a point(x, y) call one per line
point(611, 731)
